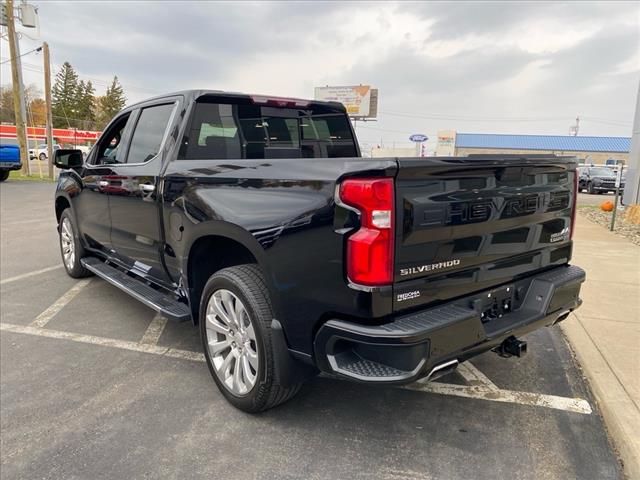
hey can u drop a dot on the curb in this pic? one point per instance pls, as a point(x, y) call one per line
point(621, 415)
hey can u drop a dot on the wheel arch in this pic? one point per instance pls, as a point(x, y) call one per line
point(61, 204)
point(202, 262)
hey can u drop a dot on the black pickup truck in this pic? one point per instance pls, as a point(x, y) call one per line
point(256, 218)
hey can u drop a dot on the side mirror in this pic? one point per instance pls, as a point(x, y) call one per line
point(67, 158)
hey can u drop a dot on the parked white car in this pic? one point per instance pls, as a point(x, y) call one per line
point(41, 152)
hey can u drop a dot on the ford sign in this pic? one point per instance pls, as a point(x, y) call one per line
point(418, 138)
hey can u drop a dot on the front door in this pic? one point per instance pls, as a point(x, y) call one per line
point(133, 197)
point(92, 202)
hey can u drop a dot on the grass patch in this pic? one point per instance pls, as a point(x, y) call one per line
point(34, 177)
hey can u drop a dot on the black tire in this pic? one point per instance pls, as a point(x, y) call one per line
point(4, 174)
point(42, 157)
point(74, 269)
point(247, 283)
point(590, 189)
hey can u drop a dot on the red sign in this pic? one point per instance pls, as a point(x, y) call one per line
point(60, 135)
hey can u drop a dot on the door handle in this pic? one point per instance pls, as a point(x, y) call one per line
point(147, 188)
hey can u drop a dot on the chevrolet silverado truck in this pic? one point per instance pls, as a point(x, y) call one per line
point(257, 219)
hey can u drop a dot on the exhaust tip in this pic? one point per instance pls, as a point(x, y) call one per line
point(442, 370)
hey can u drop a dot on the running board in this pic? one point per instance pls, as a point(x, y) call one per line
point(164, 304)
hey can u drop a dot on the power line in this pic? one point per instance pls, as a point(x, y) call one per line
point(384, 130)
point(442, 116)
point(96, 81)
point(616, 123)
point(37, 49)
point(471, 119)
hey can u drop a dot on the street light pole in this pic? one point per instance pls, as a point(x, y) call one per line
point(18, 88)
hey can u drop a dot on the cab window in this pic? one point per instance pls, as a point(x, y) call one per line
point(110, 149)
point(244, 130)
point(149, 132)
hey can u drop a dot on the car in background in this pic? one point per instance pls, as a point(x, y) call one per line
point(84, 149)
point(9, 160)
point(41, 152)
point(598, 179)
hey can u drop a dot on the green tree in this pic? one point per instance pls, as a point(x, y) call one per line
point(85, 110)
point(110, 103)
point(65, 97)
point(37, 112)
point(7, 113)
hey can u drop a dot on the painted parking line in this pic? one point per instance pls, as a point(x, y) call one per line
point(29, 274)
point(576, 405)
point(42, 319)
point(475, 377)
point(154, 330)
point(25, 222)
point(102, 341)
point(481, 387)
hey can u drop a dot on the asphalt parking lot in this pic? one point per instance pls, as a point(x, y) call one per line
point(93, 385)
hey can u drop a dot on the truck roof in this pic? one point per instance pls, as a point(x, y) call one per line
point(194, 94)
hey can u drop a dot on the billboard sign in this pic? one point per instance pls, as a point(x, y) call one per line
point(418, 138)
point(360, 101)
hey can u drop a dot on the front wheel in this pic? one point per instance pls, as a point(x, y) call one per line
point(235, 327)
point(590, 188)
point(4, 174)
point(43, 157)
point(71, 248)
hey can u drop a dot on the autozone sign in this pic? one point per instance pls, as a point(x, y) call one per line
point(61, 135)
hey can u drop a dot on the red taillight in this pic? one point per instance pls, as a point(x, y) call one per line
point(370, 249)
point(575, 203)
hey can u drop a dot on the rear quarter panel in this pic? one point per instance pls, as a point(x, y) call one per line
point(283, 211)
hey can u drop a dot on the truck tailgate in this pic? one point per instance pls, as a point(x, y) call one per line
point(470, 223)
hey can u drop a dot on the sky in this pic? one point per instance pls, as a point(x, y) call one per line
point(481, 67)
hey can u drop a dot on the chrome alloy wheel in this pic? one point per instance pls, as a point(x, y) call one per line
point(67, 242)
point(231, 340)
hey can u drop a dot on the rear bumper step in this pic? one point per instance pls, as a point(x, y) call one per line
point(419, 344)
point(166, 305)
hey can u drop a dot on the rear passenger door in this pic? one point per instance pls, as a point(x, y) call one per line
point(136, 231)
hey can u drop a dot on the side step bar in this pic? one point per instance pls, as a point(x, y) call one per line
point(167, 306)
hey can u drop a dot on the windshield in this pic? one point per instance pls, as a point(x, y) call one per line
point(602, 172)
point(229, 131)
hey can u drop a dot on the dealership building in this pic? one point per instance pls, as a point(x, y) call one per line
point(591, 150)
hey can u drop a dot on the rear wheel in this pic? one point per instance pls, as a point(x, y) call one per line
point(4, 174)
point(71, 248)
point(43, 157)
point(235, 327)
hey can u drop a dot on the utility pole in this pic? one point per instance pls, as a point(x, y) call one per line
point(47, 99)
point(18, 89)
point(574, 129)
point(631, 199)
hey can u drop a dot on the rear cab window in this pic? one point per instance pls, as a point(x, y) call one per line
point(239, 129)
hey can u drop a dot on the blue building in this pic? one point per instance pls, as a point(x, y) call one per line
point(596, 150)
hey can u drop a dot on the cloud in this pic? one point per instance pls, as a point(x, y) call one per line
point(527, 67)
